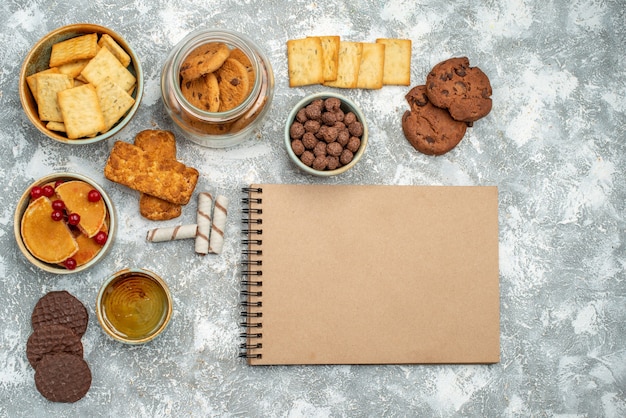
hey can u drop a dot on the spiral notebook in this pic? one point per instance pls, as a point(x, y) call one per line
point(350, 274)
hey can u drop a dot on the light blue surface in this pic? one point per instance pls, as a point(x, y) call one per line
point(553, 144)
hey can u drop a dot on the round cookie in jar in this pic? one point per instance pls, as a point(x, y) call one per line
point(217, 86)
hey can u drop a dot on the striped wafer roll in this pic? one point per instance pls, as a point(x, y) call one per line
point(205, 203)
point(219, 223)
point(172, 233)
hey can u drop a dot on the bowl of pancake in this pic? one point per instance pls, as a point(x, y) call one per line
point(64, 223)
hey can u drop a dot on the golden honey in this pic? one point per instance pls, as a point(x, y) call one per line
point(134, 306)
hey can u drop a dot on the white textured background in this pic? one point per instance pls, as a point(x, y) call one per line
point(553, 144)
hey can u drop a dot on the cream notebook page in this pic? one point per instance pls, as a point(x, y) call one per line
point(371, 275)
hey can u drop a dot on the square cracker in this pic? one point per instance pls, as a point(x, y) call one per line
point(107, 41)
point(104, 65)
point(73, 68)
point(56, 126)
point(330, 51)
point(74, 49)
point(114, 102)
point(348, 68)
point(372, 66)
point(48, 85)
point(31, 80)
point(305, 61)
point(169, 180)
point(397, 61)
point(81, 111)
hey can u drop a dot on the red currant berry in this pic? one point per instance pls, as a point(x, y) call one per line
point(57, 215)
point(73, 219)
point(58, 205)
point(58, 183)
point(93, 195)
point(36, 192)
point(101, 238)
point(48, 190)
point(70, 263)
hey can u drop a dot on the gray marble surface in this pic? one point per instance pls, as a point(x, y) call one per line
point(553, 144)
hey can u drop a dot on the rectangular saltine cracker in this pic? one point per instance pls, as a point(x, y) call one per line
point(372, 66)
point(114, 102)
point(305, 61)
point(330, 53)
point(169, 180)
point(31, 80)
point(104, 65)
point(348, 67)
point(397, 61)
point(74, 68)
point(81, 111)
point(74, 49)
point(48, 85)
point(56, 126)
point(107, 41)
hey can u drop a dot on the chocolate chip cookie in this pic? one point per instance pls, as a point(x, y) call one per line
point(463, 90)
point(430, 129)
point(233, 84)
point(205, 59)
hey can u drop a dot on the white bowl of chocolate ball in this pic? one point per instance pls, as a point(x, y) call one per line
point(325, 134)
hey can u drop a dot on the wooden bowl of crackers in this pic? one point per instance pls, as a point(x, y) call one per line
point(64, 223)
point(81, 84)
point(325, 134)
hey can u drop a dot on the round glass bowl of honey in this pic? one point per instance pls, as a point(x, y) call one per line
point(134, 306)
point(221, 105)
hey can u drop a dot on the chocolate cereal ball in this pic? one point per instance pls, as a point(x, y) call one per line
point(327, 133)
point(313, 112)
point(356, 128)
point(346, 156)
point(329, 118)
point(331, 104)
point(320, 149)
point(353, 144)
point(312, 126)
point(309, 140)
point(296, 130)
point(343, 137)
point(297, 146)
point(349, 118)
point(301, 116)
point(332, 162)
point(319, 163)
point(307, 158)
point(334, 149)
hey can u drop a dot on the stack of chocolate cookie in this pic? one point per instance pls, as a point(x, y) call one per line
point(55, 350)
point(454, 97)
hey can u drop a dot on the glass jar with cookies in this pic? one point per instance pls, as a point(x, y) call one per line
point(217, 86)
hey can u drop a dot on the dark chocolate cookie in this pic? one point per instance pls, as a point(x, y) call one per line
point(51, 339)
point(465, 91)
point(431, 130)
point(62, 377)
point(60, 308)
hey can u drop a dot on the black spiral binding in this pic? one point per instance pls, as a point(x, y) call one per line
point(251, 274)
